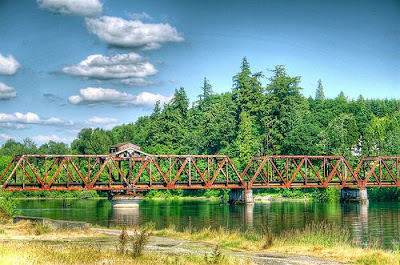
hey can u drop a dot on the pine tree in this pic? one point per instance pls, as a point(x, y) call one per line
point(285, 106)
point(246, 140)
point(157, 109)
point(319, 94)
point(248, 93)
point(207, 89)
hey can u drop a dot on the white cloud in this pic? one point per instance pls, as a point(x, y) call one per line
point(87, 8)
point(132, 33)
point(8, 65)
point(149, 99)
point(18, 120)
point(139, 16)
point(5, 137)
point(136, 82)
point(110, 67)
point(97, 95)
point(7, 92)
point(41, 139)
point(101, 120)
point(104, 122)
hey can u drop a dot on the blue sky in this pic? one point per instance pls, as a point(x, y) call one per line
point(69, 64)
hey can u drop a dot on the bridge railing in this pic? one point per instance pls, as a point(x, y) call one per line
point(108, 172)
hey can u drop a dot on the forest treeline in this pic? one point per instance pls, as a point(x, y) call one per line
point(251, 119)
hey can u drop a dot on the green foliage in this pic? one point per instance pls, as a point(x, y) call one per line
point(92, 141)
point(215, 257)
point(87, 194)
point(245, 141)
point(326, 195)
point(285, 107)
point(8, 204)
point(342, 135)
point(292, 193)
point(382, 136)
point(54, 148)
point(247, 90)
point(384, 194)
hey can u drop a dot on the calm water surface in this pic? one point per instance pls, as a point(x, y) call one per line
point(368, 223)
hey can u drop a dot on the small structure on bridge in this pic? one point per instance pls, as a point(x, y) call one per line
point(126, 149)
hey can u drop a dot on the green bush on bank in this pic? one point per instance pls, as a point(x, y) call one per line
point(85, 194)
point(173, 194)
point(384, 194)
point(8, 205)
point(326, 195)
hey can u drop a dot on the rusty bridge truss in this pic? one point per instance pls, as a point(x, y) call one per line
point(139, 173)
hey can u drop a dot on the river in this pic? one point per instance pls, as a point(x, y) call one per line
point(373, 223)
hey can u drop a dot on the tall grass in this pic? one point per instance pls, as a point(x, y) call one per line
point(321, 234)
point(247, 240)
point(316, 239)
point(34, 253)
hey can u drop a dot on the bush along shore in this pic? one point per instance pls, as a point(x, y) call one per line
point(313, 194)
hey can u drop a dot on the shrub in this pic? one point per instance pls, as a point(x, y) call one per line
point(139, 239)
point(268, 238)
point(215, 257)
point(41, 229)
point(326, 195)
point(87, 194)
point(123, 240)
point(8, 204)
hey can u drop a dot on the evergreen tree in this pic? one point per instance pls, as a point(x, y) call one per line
point(156, 110)
point(246, 141)
point(319, 94)
point(207, 90)
point(285, 106)
point(248, 93)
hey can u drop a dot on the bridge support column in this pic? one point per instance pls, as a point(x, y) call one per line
point(124, 201)
point(364, 195)
point(355, 195)
point(239, 196)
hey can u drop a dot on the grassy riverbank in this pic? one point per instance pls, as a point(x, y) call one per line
point(322, 240)
point(27, 243)
point(30, 243)
point(37, 253)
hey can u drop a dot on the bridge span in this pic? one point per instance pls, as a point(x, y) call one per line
point(133, 173)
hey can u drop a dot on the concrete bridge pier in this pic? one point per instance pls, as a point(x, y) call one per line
point(239, 196)
point(355, 195)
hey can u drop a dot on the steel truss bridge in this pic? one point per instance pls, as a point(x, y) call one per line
point(129, 174)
